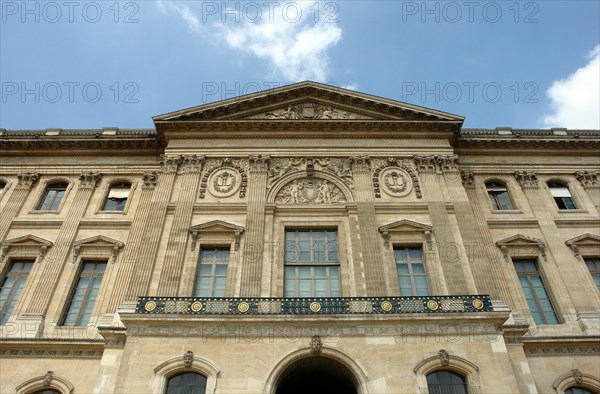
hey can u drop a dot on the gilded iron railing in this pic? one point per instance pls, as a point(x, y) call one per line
point(313, 306)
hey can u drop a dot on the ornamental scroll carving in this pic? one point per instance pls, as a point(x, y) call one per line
point(310, 191)
point(396, 177)
point(224, 178)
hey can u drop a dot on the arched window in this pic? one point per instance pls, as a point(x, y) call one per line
point(562, 195)
point(578, 390)
point(446, 382)
point(498, 194)
point(47, 391)
point(186, 383)
point(117, 197)
point(53, 195)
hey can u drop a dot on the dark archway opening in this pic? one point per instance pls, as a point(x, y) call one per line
point(316, 375)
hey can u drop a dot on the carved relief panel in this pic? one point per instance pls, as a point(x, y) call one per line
point(310, 191)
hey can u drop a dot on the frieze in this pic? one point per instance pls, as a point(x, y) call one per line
point(557, 351)
point(224, 178)
point(396, 177)
point(310, 191)
point(50, 353)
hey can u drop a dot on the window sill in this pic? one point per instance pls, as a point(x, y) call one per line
point(508, 211)
point(43, 212)
point(578, 210)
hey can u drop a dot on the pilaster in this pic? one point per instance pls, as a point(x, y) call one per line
point(16, 200)
point(135, 242)
point(431, 170)
point(57, 256)
point(367, 227)
point(191, 169)
point(255, 227)
point(145, 258)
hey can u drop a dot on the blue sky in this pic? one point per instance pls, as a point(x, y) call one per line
point(523, 64)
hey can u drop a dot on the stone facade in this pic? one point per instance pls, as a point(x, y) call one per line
point(238, 175)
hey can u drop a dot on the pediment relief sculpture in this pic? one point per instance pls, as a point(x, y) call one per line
point(309, 111)
point(310, 191)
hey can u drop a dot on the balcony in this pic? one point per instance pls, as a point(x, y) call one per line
point(313, 306)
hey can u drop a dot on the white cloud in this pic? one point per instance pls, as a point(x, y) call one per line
point(291, 36)
point(351, 86)
point(576, 99)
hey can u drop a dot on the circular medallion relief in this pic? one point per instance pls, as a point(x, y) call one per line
point(224, 182)
point(395, 181)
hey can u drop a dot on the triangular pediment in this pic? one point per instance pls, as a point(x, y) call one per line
point(98, 241)
point(27, 240)
point(307, 101)
point(584, 239)
point(521, 240)
point(405, 225)
point(216, 226)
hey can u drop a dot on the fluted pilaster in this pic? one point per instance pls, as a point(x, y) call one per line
point(57, 256)
point(255, 226)
point(16, 200)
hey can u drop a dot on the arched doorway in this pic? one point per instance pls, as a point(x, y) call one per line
point(316, 375)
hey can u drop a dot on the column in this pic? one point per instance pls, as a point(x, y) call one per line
point(255, 227)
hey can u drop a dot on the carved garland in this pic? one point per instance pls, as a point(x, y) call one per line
point(393, 162)
point(226, 162)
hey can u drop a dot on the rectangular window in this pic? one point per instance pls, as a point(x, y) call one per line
point(412, 276)
point(562, 196)
point(536, 295)
point(499, 197)
point(211, 277)
point(117, 197)
point(594, 268)
point(12, 284)
point(312, 267)
point(52, 197)
point(85, 294)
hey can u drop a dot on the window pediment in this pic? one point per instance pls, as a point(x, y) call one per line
point(587, 244)
point(26, 245)
point(520, 245)
point(97, 246)
point(216, 230)
point(406, 230)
